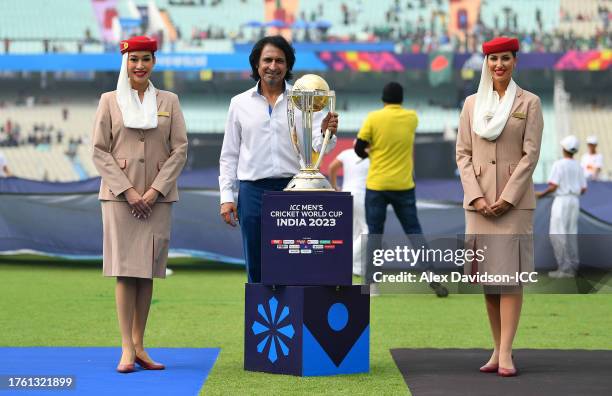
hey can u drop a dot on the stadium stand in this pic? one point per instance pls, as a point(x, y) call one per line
point(521, 15)
point(43, 162)
point(214, 26)
point(78, 124)
point(364, 20)
point(48, 29)
point(207, 28)
point(585, 18)
point(40, 24)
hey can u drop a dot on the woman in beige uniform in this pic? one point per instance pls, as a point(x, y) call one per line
point(140, 147)
point(498, 146)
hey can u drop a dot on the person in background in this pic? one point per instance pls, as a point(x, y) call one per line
point(354, 181)
point(387, 138)
point(139, 149)
point(4, 169)
point(592, 162)
point(567, 181)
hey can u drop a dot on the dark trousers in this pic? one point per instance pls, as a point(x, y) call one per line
point(403, 203)
point(249, 213)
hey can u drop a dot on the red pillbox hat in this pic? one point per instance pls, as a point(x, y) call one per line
point(500, 44)
point(138, 43)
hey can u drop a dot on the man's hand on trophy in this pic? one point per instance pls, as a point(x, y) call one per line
point(330, 122)
point(229, 213)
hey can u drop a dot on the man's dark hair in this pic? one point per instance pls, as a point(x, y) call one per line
point(280, 43)
point(393, 93)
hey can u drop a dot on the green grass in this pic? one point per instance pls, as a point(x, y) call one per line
point(71, 304)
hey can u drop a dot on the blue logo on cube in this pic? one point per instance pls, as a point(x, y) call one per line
point(272, 332)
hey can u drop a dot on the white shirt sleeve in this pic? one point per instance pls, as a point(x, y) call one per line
point(555, 176)
point(598, 160)
point(342, 156)
point(228, 160)
point(584, 160)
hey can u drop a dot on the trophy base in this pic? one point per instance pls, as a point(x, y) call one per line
point(309, 180)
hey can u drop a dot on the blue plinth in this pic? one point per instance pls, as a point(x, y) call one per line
point(306, 238)
point(306, 330)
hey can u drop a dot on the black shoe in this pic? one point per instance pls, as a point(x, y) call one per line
point(440, 290)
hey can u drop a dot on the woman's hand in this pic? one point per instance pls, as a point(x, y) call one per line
point(140, 208)
point(150, 197)
point(482, 206)
point(500, 207)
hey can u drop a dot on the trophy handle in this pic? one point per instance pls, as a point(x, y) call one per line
point(293, 132)
point(332, 107)
point(296, 146)
point(323, 147)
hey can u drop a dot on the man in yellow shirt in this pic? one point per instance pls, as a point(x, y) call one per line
point(389, 135)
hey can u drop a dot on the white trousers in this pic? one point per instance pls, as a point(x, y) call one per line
point(360, 228)
point(563, 231)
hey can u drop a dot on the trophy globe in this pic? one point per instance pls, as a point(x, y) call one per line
point(310, 94)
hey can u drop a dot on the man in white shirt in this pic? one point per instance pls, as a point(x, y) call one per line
point(257, 153)
point(592, 162)
point(4, 170)
point(567, 181)
point(354, 181)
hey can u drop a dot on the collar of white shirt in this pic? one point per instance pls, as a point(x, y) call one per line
point(256, 90)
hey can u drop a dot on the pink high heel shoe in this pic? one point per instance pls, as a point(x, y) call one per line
point(489, 368)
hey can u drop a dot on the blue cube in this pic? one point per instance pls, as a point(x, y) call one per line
point(306, 330)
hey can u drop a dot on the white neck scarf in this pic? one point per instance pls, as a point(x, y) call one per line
point(135, 114)
point(489, 116)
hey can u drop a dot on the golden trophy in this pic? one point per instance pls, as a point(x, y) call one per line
point(309, 95)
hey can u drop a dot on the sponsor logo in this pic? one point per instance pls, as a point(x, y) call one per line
point(276, 241)
point(292, 251)
point(337, 241)
point(288, 241)
point(312, 242)
point(282, 246)
point(294, 246)
point(306, 251)
point(317, 247)
point(330, 246)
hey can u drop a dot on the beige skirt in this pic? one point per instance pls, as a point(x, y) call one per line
point(507, 243)
point(132, 247)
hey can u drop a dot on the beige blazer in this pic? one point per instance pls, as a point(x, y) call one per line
point(503, 167)
point(138, 158)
